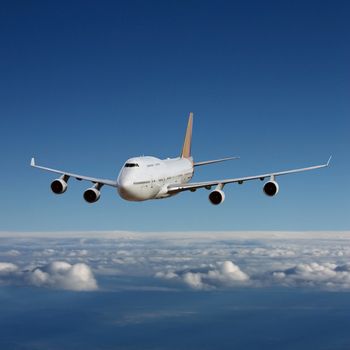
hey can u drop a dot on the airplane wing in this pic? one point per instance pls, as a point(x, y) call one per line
point(240, 180)
point(214, 161)
point(107, 182)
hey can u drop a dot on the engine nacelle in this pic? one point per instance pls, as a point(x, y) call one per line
point(58, 186)
point(271, 188)
point(92, 195)
point(216, 197)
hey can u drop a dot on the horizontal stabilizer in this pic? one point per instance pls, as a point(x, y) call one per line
point(214, 161)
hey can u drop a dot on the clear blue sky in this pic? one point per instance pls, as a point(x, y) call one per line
point(85, 85)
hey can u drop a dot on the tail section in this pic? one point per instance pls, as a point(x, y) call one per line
point(186, 149)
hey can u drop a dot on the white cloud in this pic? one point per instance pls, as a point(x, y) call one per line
point(7, 268)
point(78, 253)
point(58, 275)
point(224, 274)
point(46, 252)
point(166, 275)
point(194, 280)
point(228, 272)
point(183, 259)
point(12, 252)
point(62, 275)
point(326, 275)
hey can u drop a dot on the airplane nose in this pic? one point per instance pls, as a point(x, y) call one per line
point(124, 187)
point(124, 182)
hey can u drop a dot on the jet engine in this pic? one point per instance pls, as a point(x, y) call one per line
point(271, 188)
point(216, 197)
point(92, 195)
point(58, 186)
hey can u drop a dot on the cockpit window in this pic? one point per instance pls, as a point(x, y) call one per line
point(131, 165)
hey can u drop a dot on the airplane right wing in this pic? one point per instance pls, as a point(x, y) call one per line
point(207, 184)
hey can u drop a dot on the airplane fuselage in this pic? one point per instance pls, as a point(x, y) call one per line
point(143, 178)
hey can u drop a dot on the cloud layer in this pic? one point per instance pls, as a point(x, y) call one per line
point(200, 261)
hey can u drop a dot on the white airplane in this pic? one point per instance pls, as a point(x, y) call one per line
point(143, 178)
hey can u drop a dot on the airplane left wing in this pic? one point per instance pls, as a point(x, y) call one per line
point(77, 176)
point(240, 180)
point(206, 162)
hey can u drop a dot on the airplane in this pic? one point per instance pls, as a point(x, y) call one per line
point(144, 178)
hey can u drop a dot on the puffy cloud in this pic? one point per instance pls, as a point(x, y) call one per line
point(326, 275)
point(78, 253)
point(49, 251)
point(225, 274)
point(62, 275)
point(166, 275)
point(12, 252)
point(228, 272)
point(194, 280)
point(57, 274)
point(7, 268)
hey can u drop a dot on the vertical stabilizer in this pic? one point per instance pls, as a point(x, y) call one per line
point(186, 149)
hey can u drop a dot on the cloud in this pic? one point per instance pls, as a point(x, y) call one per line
point(12, 252)
point(178, 259)
point(7, 269)
point(326, 275)
point(194, 280)
point(45, 253)
point(78, 253)
point(57, 275)
point(224, 274)
point(62, 275)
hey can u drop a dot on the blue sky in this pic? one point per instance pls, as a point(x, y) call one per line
point(85, 85)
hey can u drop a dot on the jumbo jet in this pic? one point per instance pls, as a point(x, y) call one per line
point(144, 178)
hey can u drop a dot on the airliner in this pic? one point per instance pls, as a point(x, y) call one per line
point(144, 178)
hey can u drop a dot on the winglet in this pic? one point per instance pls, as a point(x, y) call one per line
point(186, 149)
point(329, 160)
point(32, 162)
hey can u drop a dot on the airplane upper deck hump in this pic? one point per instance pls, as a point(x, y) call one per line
point(186, 149)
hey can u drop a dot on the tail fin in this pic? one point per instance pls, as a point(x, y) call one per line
point(186, 149)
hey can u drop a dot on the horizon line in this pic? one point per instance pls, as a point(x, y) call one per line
point(191, 234)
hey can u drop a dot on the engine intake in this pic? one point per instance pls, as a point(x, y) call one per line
point(92, 195)
point(58, 186)
point(271, 188)
point(216, 197)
